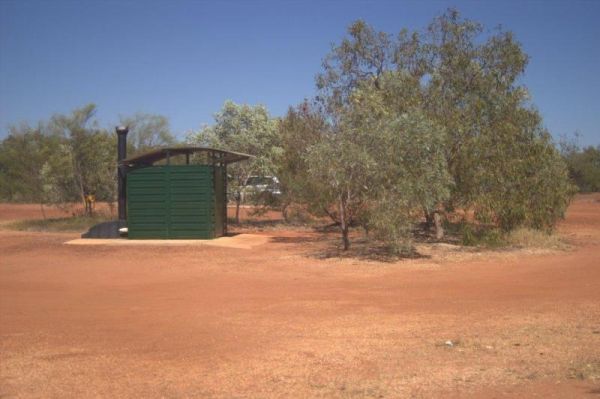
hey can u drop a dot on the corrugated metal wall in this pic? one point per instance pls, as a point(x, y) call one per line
point(220, 176)
point(171, 201)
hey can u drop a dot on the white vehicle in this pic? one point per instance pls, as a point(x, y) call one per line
point(261, 186)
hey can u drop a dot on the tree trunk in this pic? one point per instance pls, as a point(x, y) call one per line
point(284, 212)
point(331, 216)
point(42, 209)
point(80, 182)
point(439, 229)
point(238, 201)
point(433, 220)
point(428, 218)
point(345, 239)
point(344, 224)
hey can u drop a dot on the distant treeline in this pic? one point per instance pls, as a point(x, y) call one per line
point(62, 160)
point(584, 165)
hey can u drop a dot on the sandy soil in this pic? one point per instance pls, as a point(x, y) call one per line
point(281, 320)
point(238, 241)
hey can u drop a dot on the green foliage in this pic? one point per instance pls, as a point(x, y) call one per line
point(244, 128)
point(379, 160)
point(583, 164)
point(410, 169)
point(363, 56)
point(460, 85)
point(322, 169)
point(502, 160)
point(84, 164)
point(147, 132)
point(482, 236)
point(23, 154)
point(248, 129)
point(301, 128)
point(530, 189)
point(389, 218)
point(59, 183)
point(70, 156)
point(60, 161)
point(341, 169)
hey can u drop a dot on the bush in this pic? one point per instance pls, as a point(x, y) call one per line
point(584, 167)
point(477, 236)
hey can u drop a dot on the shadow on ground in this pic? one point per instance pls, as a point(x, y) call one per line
point(326, 243)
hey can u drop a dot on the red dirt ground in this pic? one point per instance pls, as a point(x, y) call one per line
point(13, 212)
point(280, 320)
point(28, 211)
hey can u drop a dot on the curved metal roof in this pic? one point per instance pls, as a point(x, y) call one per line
point(215, 155)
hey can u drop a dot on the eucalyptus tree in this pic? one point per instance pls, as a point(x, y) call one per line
point(84, 162)
point(90, 149)
point(412, 172)
point(302, 127)
point(467, 82)
point(23, 154)
point(371, 163)
point(59, 161)
point(248, 129)
point(340, 169)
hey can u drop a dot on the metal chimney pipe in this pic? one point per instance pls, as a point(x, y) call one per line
point(121, 171)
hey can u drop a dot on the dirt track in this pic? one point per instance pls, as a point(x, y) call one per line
point(278, 321)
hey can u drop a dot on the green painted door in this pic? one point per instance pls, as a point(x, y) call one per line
point(171, 201)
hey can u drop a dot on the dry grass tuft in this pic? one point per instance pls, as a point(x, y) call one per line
point(530, 238)
point(585, 371)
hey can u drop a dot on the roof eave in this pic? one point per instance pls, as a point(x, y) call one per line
point(156, 155)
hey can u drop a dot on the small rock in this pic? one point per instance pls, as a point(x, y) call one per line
point(489, 347)
point(449, 343)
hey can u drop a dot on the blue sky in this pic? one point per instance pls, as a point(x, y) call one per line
point(183, 59)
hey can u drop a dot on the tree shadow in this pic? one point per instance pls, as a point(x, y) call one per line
point(297, 240)
point(365, 252)
point(256, 223)
point(323, 240)
point(326, 244)
point(269, 225)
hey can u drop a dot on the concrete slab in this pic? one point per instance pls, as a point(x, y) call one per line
point(239, 241)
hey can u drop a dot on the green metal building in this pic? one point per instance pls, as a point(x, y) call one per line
point(170, 199)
